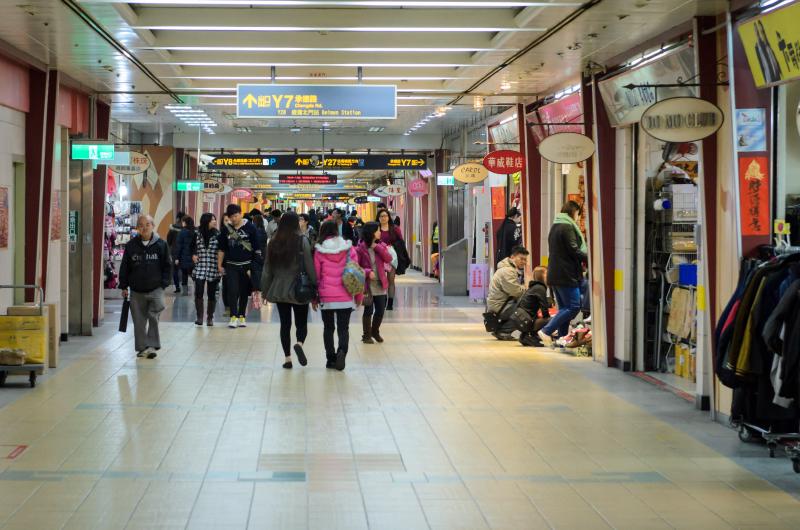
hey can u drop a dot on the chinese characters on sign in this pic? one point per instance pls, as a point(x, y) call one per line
point(317, 101)
point(504, 162)
point(478, 279)
point(307, 179)
point(754, 195)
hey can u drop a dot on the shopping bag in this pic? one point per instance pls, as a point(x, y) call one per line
point(256, 301)
point(123, 317)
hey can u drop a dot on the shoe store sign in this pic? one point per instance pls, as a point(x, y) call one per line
point(315, 102)
point(772, 45)
point(682, 119)
point(566, 148)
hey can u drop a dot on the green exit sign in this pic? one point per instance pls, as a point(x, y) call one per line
point(189, 185)
point(93, 151)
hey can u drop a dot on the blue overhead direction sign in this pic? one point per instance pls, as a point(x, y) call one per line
point(327, 102)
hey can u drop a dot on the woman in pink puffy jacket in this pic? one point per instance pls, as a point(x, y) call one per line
point(373, 255)
point(336, 303)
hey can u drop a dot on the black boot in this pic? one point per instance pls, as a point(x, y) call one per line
point(212, 306)
point(339, 364)
point(198, 305)
point(366, 323)
point(390, 304)
point(376, 328)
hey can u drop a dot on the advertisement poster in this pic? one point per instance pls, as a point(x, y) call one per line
point(498, 203)
point(566, 111)
point(772, 45)
point(55, 216)
point(754, 195)
point(3, 217)
point(478, 280)
point(751, 130)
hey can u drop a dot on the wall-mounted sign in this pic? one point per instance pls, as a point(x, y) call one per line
point(93, 150)
point(213, 186)
point(137, 163)
point(308, 179)
point(306, 162)
point(418, 188)
point(328, 102)
point(566, 148)
point(625, 106)
point(754, 195)
point(242, 193)
point(772, 45)
point(751, 130)
point(189, 185)
point(372, 198)
point(394, 190)
point(682, 119)
point(470, 173)
point(445, 180)
point(504, 162)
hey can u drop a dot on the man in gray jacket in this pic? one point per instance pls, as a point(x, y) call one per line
point(507, 287)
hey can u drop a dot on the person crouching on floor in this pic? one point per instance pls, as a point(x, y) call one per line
point(532, 312)
point(505, 288)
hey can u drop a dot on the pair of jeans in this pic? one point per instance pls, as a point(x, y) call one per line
point(338, 320)
point(285, 310)
point(378, 307)
point(569, 305)
point(239, 288)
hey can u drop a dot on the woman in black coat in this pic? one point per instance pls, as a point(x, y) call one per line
point(183, 253)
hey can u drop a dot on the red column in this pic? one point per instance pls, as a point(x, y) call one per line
point(47, 178)
point(532, 213)
point(35, 121)
point(103, 117)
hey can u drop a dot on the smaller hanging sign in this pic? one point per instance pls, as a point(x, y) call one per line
point(213, 186)
point(418, 188)
point(566, 148)
point(380, 192)
point(137, 164)
point(363, 199)
point(470, 173)
point(242, 193)
point(504, 162)
point(394, 190)
point(682, 119)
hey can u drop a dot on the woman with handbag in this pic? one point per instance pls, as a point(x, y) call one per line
point(390, 234)
point(331, 260)
point(205, 273)
point(289, 281)
point(373, 257)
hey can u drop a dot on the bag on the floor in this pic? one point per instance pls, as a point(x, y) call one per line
point(304, 289)
point(11, 357)
point(353, 277)
point(123, 317)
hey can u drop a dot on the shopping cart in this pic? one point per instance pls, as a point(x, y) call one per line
point(27, 333)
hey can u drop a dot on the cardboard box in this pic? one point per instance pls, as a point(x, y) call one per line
point(53, 329)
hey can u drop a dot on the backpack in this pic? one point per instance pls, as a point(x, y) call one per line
point(403, 261)
point(353, 277)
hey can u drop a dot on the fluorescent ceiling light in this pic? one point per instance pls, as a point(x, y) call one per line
point(510, 118)
point(300, 49)
point(387, 29)
point(302, 65)
point(354, 3)
point(304, 78)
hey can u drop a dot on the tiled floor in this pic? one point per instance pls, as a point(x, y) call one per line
point(439, 427)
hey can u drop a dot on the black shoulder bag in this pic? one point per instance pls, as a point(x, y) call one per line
point(304, 290)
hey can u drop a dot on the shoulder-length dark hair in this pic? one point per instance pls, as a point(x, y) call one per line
point(205, 230)
point(188, 222)
point(393, 236)
point(285, 244)
point(328, 229)
point(368, 232)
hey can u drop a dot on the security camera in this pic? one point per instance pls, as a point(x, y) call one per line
point(153, 109)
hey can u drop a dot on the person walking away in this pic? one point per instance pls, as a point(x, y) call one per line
point(206, 274)
point(336, 303)
point(313, 220)
point(144, 274)
point(390, 233)
point(373, 256)
point(565, 270)
point(281, 267)
point(505, 288)
point(272, 227)
point(183, 253)
point(536, 306)
point(509, 235)
point(239, 259)
point(258, 221)
point(172, 241)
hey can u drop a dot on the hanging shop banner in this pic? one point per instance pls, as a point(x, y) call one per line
point(418, 188)
point(625, 106)
point(566, 148)
point(504, 162)
point(395, 190)
point(138, 163)
point(772, 45)
point(334, 102)
point(751, 130)
point(682, 119)
point(318, 180)
point(301, 162)
point(754, 195)
point(242, 193)
point(380, 192)
point(470, 173)
point(563, 112)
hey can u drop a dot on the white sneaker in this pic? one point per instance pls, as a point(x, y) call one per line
point(546, 339)
point(234, 323)
point(242, 322)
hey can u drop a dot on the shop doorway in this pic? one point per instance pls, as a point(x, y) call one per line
point(19, 232)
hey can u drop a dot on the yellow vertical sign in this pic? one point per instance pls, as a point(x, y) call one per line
point(772, 44)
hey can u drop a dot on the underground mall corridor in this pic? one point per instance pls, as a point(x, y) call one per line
point(441, 426)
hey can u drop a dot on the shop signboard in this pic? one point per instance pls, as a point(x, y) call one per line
point(445, 180)
point(380, 192)
point(418, 188)
point(189, 185)
point(566, 148)
point(563, 112)
point(478, 280)
point(754, 195)
point(242, 193)
point(772, 45)
point(504, 162)
point(471, 173)
point(625, 106)
point(363, 199)
point(318, 180)
point(93, 150)
point(315, 102)
point(682, 119)
point(308, 161)
point(137, 164)
point(394, 190)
